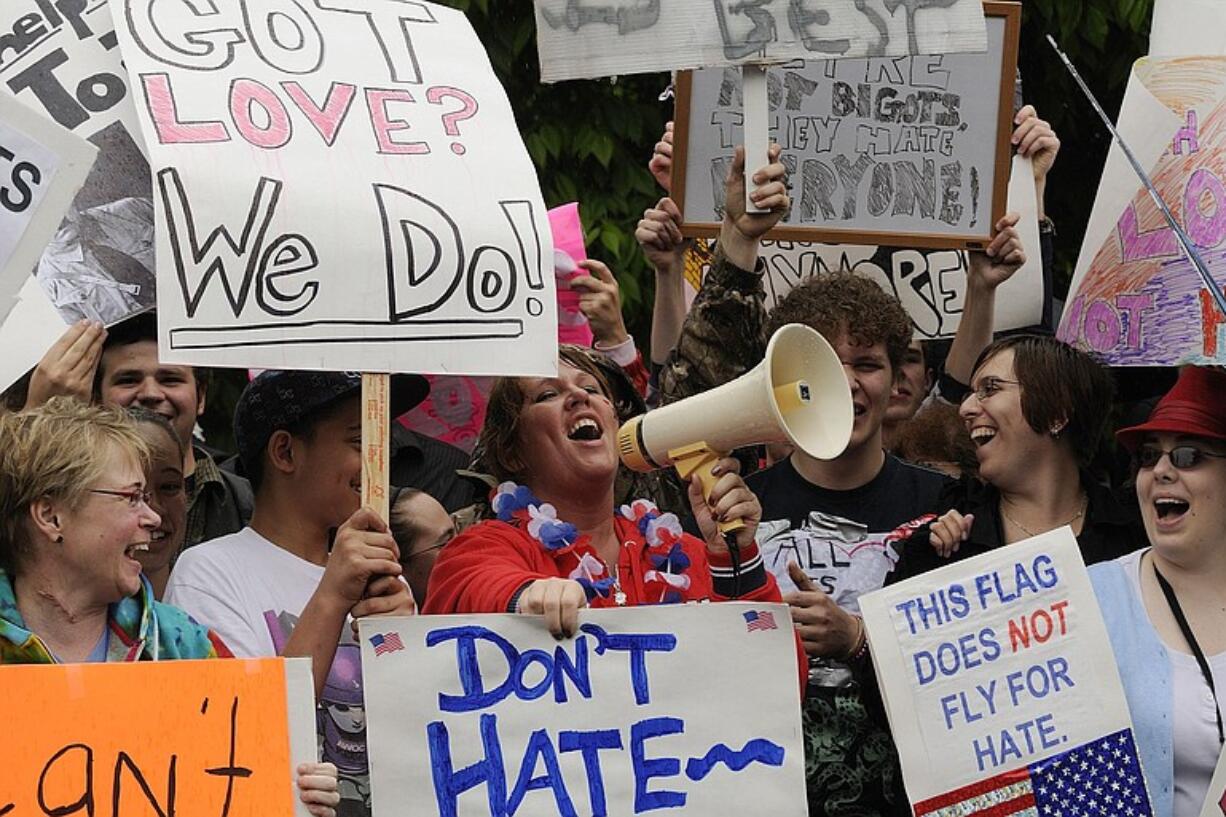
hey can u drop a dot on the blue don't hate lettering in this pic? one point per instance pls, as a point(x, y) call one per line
point(650, 769)
point(558, 666)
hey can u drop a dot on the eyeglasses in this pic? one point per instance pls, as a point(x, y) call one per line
point(134, 497)
point(427, 550)
point(988, 387)
point(1183, 457)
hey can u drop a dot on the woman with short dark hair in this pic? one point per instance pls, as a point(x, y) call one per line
point(1036, 412)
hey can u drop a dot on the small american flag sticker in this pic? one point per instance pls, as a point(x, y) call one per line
point(386, 642)
point(759, 620)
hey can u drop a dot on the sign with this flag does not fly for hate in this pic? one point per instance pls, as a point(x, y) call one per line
point(1001, 687)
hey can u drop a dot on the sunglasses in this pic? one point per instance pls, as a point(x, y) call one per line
point(1183, 457)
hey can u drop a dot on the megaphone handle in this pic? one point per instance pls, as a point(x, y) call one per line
point(699, 459)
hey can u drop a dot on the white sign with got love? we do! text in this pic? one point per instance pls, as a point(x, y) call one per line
point(686, 709)
point(339, 185)
point(1001, 687)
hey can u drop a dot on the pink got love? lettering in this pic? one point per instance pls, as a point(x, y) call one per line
point(262, 114)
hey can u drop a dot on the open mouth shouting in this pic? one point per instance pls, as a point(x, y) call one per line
point(1169, 511)
point(585, 429)
point(134, 550)
point(982, 435)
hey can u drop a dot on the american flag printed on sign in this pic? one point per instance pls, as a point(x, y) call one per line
point(386, 642)
point(1098, 779)
point(759, 620)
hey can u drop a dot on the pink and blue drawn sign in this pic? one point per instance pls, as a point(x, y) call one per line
point(1141, 302)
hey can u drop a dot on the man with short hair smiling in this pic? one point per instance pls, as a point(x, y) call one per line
point(129, 373)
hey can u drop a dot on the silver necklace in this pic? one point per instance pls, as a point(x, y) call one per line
point(1085, 501)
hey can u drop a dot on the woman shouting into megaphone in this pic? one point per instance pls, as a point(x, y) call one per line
point(558, 543)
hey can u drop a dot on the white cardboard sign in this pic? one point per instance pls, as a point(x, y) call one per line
point(930, 284)
point(62, 60)
point(692, 708)
point(581, 39)
point(997, 674)
point(42, 166)
point(339, 185)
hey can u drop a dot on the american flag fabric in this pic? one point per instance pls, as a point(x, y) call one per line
point(385, 643)
point(759, 620)
point(1098, 779)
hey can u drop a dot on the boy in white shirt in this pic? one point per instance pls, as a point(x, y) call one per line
point(283, 585)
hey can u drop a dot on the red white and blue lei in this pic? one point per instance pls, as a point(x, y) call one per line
point(515, 504)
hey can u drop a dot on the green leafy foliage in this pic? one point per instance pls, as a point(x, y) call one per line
point(590, 141)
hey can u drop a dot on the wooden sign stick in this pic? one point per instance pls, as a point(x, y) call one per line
point(376, 426)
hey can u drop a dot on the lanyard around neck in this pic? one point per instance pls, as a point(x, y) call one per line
point(1190, 637)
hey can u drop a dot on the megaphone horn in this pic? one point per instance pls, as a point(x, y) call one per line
point(797, 394)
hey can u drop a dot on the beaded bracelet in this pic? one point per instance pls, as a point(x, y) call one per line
point(861, 649)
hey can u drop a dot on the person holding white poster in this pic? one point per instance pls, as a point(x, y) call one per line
point(831, 528)
point(311, 558)
point(1165, 607)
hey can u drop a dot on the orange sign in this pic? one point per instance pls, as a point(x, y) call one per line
point(166, 739)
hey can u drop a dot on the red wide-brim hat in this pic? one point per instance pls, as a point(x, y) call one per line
point(1195, 405)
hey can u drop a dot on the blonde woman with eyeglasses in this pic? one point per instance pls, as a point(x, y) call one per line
point(74, 519)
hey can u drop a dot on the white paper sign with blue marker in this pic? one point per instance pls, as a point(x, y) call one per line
point(688, 709)
point(1001, 687)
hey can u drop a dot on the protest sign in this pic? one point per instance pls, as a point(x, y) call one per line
point(594, 38)
point(909, 151)
point(930, 284)
point(1187, 28)
point(1215, 800)
point(455, 409)
point(568, 251)
point(41, 168)
point(617, 720)
point(340, 186)
point(453, 412)
point(62, 59)
point(1001, 687)
point(1136, 299)
point(217, 737)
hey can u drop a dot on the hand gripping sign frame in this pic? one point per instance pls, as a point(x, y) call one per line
point(966, 220)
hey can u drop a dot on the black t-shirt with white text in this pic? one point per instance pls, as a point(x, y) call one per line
point(845, 542)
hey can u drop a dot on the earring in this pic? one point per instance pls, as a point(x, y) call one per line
point(1057, 430)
